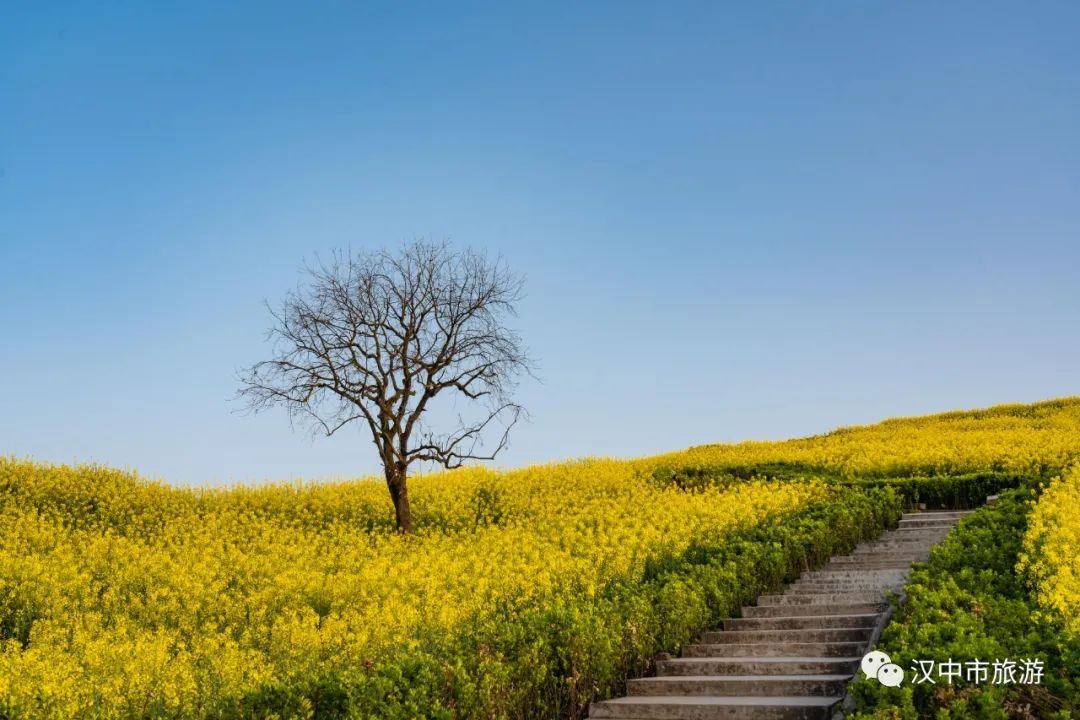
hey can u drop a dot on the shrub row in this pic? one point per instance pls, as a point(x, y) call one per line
point(968, 602)
point(690, 476)
point(936, 491)
point(946, 491)
point(553, 662)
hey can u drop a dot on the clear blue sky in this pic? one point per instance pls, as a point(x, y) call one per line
point(737, 220)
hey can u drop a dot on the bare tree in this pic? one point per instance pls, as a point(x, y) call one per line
point(376, 337)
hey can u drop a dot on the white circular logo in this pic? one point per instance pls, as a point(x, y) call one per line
point(890, 674)
point(872, 662)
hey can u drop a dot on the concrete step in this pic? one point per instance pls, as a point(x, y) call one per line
point(739, 637)
point(802, 622)
point(853, 561)
point(830, 599)
point(823, 590)
point(882, 565)
point(913, 553)
point(922, 528)
point(744, 685)
point(917, 528)
point(833, 574)
point(870, 575)
point(921, 523)
point(902, 556)
point(868, 571)
point(853, 578)
point(871, 562)
point(957, 514)
point(885, 554)
point(758, 611)
point(777, 649)
point(812, 586)
point(910, 539)
point(904, 541)
point(758, 666)
point(647, 707)
point(839, 587)
point(846, 583)
point(873, 574)
point(926, 522)
point(818, 590)
point(857, 573)
point(906, 532)
point(938, 513)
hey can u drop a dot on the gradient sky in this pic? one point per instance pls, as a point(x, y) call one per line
point(737, 220)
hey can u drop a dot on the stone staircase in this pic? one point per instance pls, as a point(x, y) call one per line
point(791, 656)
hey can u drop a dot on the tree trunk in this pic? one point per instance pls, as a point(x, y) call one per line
point(399, 493)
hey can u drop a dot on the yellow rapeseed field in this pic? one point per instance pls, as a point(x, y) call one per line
point(1052, 549)
point(1013, 438)
point(123, 598)
point(119, 596)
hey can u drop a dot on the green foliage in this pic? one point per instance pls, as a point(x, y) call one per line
point(969, 490)
point(947, 491)
point(689, 476)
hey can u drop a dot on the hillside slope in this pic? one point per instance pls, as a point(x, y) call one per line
point(524, 593)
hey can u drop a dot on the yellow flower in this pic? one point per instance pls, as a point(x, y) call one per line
point(1051, 556)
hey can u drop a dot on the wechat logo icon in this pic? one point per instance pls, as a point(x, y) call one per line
point(878, 665)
